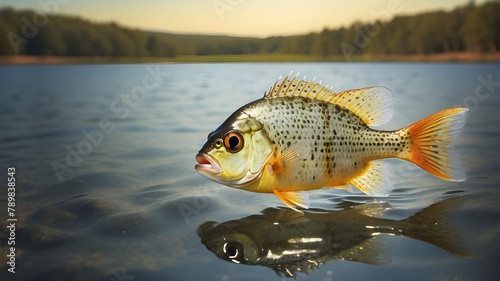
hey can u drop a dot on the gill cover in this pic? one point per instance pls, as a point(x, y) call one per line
point(258, 145)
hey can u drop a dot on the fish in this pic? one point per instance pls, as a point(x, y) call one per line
point(289, 242)
point(302, 136)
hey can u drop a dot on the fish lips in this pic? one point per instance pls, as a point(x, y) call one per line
point(207, 166)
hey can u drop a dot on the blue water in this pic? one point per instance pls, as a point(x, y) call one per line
point(106, 189)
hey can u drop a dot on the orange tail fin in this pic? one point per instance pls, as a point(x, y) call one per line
point(431, 143)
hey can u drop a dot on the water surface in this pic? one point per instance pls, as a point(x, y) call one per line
point(106, 189)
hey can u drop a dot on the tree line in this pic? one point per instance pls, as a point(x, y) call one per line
point(473, 28)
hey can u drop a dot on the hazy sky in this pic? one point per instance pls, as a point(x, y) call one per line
point(237, 17)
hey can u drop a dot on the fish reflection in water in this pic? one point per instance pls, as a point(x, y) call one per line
point(289, 242)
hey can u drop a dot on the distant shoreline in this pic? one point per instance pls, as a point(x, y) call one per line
point(441, 57)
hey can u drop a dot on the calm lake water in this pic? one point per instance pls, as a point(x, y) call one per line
point(106, 188)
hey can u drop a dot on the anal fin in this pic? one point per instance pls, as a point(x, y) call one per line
point(293, 199)
point(375, 180)
point(373, 251)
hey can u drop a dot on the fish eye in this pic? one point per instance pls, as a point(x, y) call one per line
point(233, 141)
point(218, 143)
point(233, 250)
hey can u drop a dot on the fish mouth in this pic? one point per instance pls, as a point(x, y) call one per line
point(207, 166)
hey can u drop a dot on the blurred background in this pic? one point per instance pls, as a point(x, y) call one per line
point(223, 30)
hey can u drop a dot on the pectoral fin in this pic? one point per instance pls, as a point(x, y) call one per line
point(289, 159)
point(293, 199)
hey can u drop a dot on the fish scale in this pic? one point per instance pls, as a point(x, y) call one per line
point(303, 136)
point(338, 142)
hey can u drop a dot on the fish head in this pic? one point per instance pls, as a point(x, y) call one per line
point(235, 153)
point(233, 246)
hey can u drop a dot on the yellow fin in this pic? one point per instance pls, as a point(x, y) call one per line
point(374, 105)
point(375, 180)
point(289, 158)
point(293, 199)
point(432, 141)
point(293, 87)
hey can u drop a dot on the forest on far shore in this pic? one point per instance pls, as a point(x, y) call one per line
point(470, 28)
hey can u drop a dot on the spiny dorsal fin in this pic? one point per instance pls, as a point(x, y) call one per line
point(373, 104)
